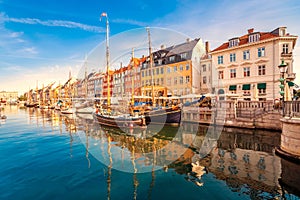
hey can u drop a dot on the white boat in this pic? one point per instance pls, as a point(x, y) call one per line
point(67, 111)
point(84, 107)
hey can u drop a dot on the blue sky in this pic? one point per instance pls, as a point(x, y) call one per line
point(43, 40)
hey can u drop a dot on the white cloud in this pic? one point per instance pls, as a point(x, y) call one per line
point(29, 50)
point(129, 21)
point(54, 23)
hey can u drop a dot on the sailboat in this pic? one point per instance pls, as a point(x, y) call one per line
point(30, 103)
point(112, 118)
point(83, 106)
point(166, 115)
point(67, 107)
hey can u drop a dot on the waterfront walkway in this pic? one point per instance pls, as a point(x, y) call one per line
point(245, 114)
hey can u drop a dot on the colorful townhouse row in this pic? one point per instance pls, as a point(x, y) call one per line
point(244, 67)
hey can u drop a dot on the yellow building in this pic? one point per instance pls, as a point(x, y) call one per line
point(175, 68)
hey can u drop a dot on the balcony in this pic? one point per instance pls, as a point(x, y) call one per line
point(262, 94)
point(286, 55)
point(291, 76)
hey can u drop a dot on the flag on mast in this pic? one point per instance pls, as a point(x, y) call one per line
point(104, 14)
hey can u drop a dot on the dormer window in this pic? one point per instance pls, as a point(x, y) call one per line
point(233, 42)
point(172, 58)
point(183, 56)
point(253, 37)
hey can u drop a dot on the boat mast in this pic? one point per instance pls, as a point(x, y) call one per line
point(107, 58)
point(132, 80)
point(151, 66)
point(85, 78)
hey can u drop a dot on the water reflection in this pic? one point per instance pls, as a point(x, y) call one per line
point(243, 159)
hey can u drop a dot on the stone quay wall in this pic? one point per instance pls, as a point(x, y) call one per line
point(241, 114)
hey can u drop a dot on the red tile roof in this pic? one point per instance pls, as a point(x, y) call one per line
point(244, 40)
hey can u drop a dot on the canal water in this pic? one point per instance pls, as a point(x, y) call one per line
point(46, 155)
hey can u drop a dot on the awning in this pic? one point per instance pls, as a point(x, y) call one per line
point(291, 84)
point(232, 87)
point(261, 86)
point(246, 87)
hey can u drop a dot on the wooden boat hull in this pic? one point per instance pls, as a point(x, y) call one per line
point(120, 121)
point(164, 116)
point(30, 105)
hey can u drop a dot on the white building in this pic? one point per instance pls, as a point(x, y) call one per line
point(246, 67)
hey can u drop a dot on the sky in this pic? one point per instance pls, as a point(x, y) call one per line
point(42, 41)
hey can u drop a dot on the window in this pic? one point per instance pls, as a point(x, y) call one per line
point(175, 68)
point(261, 91)
point(183, 56)
point(157, 81)
point(232, 73)
point(149, 72)
point(162, 70)
point(162, 81)
point(187, 79)
point(181, 80)
point(204, 68)
point(261, 70)
point(232, 57)
point(169, 81)
point(261, 52)
point(157, 70)
point(221, 74)
point(285, 48)
point(246, 71)
point(232, 89)
point(246, 55)
point(181, 67)
point(233, 42)
point(261, 88)
point(175, 80)
point(254, 37)
point(143, 74)
point(187, 67)
point(204, 80)
point(172, 58)
point(220, 59)
point(168, 70)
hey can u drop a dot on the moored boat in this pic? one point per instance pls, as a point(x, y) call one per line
point(120, 120)
point(107, 116)
point(169, 116)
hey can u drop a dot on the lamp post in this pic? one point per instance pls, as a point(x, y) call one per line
point(282, 67)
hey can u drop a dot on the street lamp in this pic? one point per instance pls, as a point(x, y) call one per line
point(282, 68)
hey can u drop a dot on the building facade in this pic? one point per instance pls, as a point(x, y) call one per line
point(8, 96)
point(175, 69)
point(246, 67)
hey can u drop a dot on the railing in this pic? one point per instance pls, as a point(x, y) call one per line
point(291, 76)
point(291, 109)
point(254, 109)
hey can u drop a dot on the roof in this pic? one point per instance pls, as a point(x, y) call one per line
point(175, 50)
point(183, 47)
point(244, 39)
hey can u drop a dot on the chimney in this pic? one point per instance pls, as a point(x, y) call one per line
point(250, 30)
point(207, 47)
point(187, 40)
point(162, 46)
